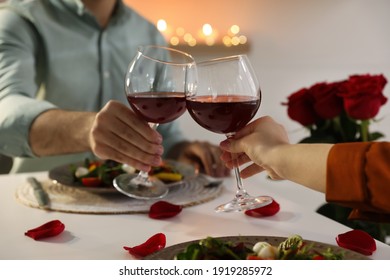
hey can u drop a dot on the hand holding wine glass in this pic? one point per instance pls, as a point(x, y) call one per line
point(226, 98)
point(156, 84)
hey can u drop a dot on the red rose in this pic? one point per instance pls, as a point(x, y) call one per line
point(363, 96)
point(300, 107)
point(327, 102)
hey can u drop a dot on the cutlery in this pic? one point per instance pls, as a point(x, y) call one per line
point(40, 194)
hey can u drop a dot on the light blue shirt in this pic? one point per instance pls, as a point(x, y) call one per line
point(54, 54)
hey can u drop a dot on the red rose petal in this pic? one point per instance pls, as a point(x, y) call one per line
point(48, 229)
point(163, 210)
point(153, 244)
point(268, 210)
point(358, 241)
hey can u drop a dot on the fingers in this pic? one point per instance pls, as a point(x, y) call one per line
point(251, 170)
point(113, 147)
point(206, 157)
point(127, 124)
point(233, 160)
point(118, 134)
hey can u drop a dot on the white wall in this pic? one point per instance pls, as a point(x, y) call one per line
point(312, 41)
point(294, 44)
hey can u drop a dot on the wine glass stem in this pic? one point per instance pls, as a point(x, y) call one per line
point(238, 178)
point(143, 176)
point(153, 125)
point(240, 186)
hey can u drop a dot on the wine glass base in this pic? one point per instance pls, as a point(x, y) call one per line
point(124, 184)
point(244, 203)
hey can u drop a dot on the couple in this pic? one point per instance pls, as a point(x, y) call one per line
point(61, 100)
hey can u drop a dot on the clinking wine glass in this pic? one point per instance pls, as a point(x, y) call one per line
point(227, 96)
point(156, 83)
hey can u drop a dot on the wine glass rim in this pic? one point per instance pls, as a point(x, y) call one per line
point(191, 60)
point(225, 58)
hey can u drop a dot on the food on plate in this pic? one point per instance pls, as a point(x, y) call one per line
point(293, 248)
point(166, 173)
point(96, 173)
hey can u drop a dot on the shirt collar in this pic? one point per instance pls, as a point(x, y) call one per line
point(75, 5)
point(79, 7)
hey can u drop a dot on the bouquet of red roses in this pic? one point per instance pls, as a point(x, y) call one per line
point(339, 111)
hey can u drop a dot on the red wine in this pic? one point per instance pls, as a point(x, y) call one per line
point(223, 113)
point(158, 107)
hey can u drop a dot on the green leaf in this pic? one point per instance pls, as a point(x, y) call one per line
point(375, 136)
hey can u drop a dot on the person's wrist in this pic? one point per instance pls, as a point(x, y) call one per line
point(88, 126)
point(275, 159)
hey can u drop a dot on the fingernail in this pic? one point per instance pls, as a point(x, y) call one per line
point(225, 144)
point(160, 150)
point(159, 138)
point(156, 160)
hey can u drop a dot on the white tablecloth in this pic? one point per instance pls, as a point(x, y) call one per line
point(102, 236)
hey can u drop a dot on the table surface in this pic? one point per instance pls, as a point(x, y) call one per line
point(102, 236)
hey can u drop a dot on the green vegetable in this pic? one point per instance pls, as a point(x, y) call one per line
point(214, 249)
point(293, 248)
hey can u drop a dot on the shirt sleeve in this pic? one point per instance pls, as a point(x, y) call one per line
point(19, 83)
point(358, 176)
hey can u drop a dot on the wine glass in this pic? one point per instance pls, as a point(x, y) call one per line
point(227, 96)
point(156, 82)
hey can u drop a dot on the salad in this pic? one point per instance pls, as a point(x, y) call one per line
point(95, 173)
point(293, 248)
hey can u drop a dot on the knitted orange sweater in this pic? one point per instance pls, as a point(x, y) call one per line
point(358, 176)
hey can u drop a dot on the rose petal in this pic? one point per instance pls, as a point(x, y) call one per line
point(48, 229)
point(153, 244)
point(358, 241)
point(268, 210)
point(163, 210)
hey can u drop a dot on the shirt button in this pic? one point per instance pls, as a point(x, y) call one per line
point(106, 74)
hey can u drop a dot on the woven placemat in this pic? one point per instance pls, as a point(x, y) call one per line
point(75, 200)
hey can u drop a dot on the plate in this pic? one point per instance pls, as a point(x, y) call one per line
point(189, 193)
point(63, 175)
point(170, 252)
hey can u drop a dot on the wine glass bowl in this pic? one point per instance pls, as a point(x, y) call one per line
point(223, 113)
point(226, 97)
point(156, 83)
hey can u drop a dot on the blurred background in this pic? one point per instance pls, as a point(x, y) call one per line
point(291, 43)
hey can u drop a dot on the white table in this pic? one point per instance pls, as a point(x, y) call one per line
point(94, 237)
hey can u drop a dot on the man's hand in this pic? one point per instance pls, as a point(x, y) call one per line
point(113, 133)
point(117, 133)
point(201, 154)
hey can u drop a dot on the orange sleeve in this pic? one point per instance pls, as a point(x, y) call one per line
point(358, 176)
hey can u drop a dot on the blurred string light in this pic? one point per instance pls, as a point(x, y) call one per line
point(207, 35)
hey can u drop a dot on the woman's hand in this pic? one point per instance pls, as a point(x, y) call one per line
point(255, 143)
